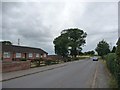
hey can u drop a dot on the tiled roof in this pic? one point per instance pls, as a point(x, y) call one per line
point(22, 49)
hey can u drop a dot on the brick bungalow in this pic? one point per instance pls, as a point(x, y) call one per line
point(14, 52)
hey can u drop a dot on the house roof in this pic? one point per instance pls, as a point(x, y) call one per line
point(21, 49)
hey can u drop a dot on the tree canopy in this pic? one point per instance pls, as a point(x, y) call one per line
point(102, 48)
point(89, 53)
point(70, 42)
point(113, 49)
point(7, 42)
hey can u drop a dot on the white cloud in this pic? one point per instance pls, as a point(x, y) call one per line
point(38, 23)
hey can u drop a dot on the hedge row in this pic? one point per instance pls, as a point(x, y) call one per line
point(112, 65)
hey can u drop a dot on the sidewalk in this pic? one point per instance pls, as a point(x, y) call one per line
point(17, 74)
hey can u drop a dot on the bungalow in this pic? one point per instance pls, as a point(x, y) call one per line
point(14, 52)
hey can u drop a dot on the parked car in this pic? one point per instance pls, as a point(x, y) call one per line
point(95, 59)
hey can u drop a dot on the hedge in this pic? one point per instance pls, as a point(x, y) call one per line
point(23, 59)
point(111, 63)
point(113, 66)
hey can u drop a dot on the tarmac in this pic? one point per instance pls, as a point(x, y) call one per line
point(16, 74)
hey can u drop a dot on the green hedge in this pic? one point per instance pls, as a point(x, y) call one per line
point(23, 59)
point(111, 63)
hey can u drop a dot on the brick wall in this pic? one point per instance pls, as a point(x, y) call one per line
point(15, 66)
point(7, 60)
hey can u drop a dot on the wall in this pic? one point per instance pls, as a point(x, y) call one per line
point(15, 66)
point(7, 60)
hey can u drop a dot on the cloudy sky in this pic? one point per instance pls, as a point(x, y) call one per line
point(36, 24)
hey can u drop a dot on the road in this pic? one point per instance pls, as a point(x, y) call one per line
point(77, 74)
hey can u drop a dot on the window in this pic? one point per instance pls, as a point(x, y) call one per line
point(41, 55)
point(6, 55)
point(44, 55)
point(37, 54)
point(30, 55)
point(18, 55)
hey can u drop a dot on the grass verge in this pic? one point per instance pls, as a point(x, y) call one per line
point(112, 81)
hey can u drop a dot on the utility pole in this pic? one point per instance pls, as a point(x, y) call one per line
point(18, 41)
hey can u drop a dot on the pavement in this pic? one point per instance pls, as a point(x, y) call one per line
point(77, 74)
point(16, 74)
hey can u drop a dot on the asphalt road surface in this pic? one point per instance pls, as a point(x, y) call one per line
point(77, 74)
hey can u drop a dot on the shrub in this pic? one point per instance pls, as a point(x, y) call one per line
point(67, 59)
point(37, 62)
point(111, 62)
point(54, 62)
point(75, 58)
point(113, 67)
point(48, 62)
point(23, 59)
point(118, 62)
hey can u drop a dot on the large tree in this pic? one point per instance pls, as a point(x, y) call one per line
point(70, 42)
point(102, 48)
point(61, 45)
point(113, 50)
point(6, 42)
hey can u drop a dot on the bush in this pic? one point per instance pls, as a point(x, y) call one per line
point(111, 62)
point(75, 58)
point(37, 62)
point(67, 59)
point(112, 66)
point(118, 62)
point(23, 59)
point(48, 62)
point(113, 82)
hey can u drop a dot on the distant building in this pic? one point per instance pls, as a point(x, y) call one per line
point(11, 52)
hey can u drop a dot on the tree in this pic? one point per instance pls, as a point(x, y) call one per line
point(102, 48)
point(70, 42)
point(113, 50)
point(61, 45)
point(118, 61)
point(6, 42)
point(89, 53)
